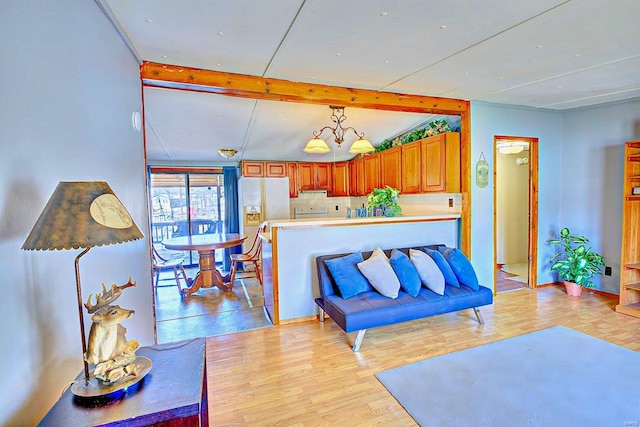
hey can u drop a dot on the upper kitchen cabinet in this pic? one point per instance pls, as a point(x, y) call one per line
point(252, 169)
point(411, 170)
point(371, 172)
point(314, 176)
point(356, 177)
point(391, 168)
point(440, 158)
point(340, 181)
point(258, 169)
point(292, 173)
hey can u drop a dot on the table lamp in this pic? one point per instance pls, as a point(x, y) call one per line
point(81, 215)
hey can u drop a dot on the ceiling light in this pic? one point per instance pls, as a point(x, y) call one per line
point(227, 153)
point(511, 147)
point(318, 146)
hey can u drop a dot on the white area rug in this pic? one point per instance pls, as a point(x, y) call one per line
point(521, 271)
point(553, 377)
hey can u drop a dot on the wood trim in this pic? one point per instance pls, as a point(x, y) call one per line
point(587, 290)
point(154, 74)
point(274, 272)
point(171, 169)
point(465, 180)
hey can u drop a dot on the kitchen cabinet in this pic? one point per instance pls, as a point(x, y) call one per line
point(391, 168)
point(275, 169)
point(629, 302)
point(356, 177)
point(371, 172)
point(440, 158)
point(340, 181)
point(410, 169)
point(292, 173)
point(258, 169)
point(314, 176)
point(252, 168)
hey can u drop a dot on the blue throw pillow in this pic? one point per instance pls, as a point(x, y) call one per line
point(345, 273)
point(449, 276)
point(406, 272)
point(461, 267)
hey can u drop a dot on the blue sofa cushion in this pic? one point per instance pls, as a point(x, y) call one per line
point(406, 272)
point(428, 270)
point(449, 276)
point(345, 273)
point(378, 271)
point(461, 267)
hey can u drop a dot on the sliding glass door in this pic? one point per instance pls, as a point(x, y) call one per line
point(185, 202)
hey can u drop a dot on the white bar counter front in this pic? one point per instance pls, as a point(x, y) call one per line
point(291, 246)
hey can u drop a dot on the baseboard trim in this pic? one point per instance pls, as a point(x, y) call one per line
point(588, 290)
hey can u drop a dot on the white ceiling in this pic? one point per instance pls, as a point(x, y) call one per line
point(543, 54)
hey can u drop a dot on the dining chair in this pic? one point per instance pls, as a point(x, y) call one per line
point(253, 256)
point(162, 264)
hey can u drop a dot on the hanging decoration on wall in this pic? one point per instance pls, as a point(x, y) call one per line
point(482, 172)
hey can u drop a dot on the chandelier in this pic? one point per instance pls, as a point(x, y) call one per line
point(317, 145)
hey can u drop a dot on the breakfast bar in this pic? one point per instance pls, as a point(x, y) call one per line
point(291, 246)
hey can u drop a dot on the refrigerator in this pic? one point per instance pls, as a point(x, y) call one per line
point(261, 199)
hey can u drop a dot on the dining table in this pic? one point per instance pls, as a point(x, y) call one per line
point(206, 245)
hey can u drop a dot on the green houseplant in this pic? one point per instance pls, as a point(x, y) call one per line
point(575, 262)
point(386, 197)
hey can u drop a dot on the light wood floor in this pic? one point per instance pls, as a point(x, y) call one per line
point(305, 374)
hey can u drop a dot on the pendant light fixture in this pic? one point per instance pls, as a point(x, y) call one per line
point(317, 145)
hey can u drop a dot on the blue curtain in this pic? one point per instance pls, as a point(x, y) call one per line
point(231, 216)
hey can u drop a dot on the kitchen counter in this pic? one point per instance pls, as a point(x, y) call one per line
point(337, 221)
point(291, 246)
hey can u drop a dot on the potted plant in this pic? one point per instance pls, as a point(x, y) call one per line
point(386, 198)
point(575, 263)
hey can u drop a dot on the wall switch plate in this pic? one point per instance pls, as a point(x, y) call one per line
point(607, 271)
point(450, 203)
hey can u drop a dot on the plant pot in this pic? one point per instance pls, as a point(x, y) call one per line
point(573, 289)
point(389, 211)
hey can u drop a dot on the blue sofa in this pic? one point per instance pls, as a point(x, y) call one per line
point(370, 309)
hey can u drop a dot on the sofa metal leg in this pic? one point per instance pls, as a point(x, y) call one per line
point(359, 338)
point(478, 315)
point(322, 315)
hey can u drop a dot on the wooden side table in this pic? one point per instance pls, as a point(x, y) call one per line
point(174, 393)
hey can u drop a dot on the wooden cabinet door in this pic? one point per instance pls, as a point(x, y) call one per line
point(252, 168)
point(390, 168)
point(306, 176)
point(356, 177)
point(433, 164)
point(341, 178)
point(323, 176)
point(411, 170)
point(292, 173)
point(441, 163)
point(371, 172)
point(276, 169)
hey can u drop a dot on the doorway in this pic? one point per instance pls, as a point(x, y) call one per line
point(515, 212)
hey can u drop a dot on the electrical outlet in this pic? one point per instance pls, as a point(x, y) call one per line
point(607, 271)
point(337, 207)
point(450, 203)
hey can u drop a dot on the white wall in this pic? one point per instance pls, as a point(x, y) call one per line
point(68, 86)
point(591, 176)
point(488, 120)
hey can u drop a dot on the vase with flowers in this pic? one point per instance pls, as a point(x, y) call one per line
point(385, 198)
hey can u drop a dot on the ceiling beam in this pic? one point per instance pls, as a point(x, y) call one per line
point(240, 85)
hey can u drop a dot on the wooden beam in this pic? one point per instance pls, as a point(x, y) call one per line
point(245, 86)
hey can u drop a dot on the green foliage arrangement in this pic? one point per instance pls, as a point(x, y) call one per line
point(433, 128)
point(575, 262)
point(387, 197)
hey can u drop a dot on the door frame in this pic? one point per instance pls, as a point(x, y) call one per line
point(532, 256)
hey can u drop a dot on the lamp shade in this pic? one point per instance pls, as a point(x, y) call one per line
point(361, 146)
point(316, 146)
point(82, 215)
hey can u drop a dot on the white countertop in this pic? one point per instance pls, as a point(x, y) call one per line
point(337, 221)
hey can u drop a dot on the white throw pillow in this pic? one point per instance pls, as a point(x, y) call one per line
point(428, 270)
point(378, 271)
